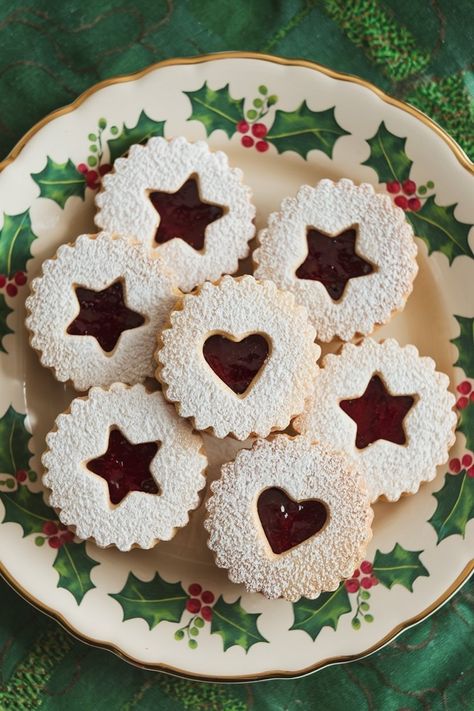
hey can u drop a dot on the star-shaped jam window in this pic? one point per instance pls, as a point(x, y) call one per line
point(183, 215)
point(104, 315)
point(126, 466)
point(378, 414)
point(333, 260)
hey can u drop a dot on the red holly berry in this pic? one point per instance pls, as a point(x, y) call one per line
point(208, 597)
point(455, 465)
point(464, 388)
point(104, 169)
point(259, 130)
point(356, 573)
point(352, 585)
point(21, 475)
point(242, 126)
point(461, 403)
point(20, 278)
point(366, 583)
point(12, 290)
point(374, 580)
point(206, 613)
point(470, 472)
point(67, 537)
point(193, 605)
point(401, 201)
point(3, 281)
point(262, 146)
point(467, 461)
point(409, 187)
point(393, 186)
point(194, 589)
point(247, 141)
point(366, 566)
point(414, 204)
point(49, 528)
point(82, 168)
point(55, 542)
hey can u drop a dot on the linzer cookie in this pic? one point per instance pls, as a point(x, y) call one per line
point(122, 468)
point(288, 518)
point(95, 310)
point(347, 254)
point(238, 358)
point(388, 409)
point(183, 202)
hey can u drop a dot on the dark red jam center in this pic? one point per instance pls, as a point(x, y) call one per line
point(377, 414)
point(236, 363)
point(103, 315)
point(184, 215)
point(126, 467)
point(287, 523)
point(332, 261)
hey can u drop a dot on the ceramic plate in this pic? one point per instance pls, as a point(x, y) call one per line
point(318, 124)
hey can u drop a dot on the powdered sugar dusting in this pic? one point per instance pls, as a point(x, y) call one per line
point(389, 469)
point(95, 262)
point(384, 239)
point(239, 307)
point(124, 205)
point(304, 471)
point(82, 497)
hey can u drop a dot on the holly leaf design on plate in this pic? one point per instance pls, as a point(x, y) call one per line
point(26, 508)
point(304, 130)
point(5, 310)
point(14, 438)
point(455, 506)
point(399, 566)
point(16, 238)
point(215, 108)
point(312, 615)
point(235, 625)
point(437, 226)
point(465, 345)
point(60, 181)
point(387, 156)
point(144, 129)
point(154, 601)
point(74, 567)
point(466, 424)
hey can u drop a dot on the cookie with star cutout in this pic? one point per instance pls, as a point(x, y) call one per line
point(182, 202)
point(345, 252)
point(94, 312)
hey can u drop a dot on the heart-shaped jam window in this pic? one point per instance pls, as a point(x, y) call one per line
point(287, 523)
point(236, 363)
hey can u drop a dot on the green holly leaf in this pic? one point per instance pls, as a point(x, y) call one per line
point(235, 625)
point(26, 508)
point(312, 615)
point(437, 226)
point(465, 345)
point(154, 601)
point(455, 506)
point(144, 129)
point(399, 566)
point(387, 156)
point(466, 424)
point(14, 438)
point(304, 130)
point(74, 567)
point(216, 109)
point(5, 310)
point(60, 181)
point(16, 238)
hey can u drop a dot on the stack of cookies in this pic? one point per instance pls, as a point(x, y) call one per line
point(236, 356)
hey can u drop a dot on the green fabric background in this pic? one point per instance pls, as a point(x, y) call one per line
point(420, 51)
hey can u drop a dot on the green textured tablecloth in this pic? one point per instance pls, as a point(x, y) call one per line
point(50, 51)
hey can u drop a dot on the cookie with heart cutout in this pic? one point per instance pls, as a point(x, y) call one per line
point(388, 409)
point(288, 518)
point(238, 358)
point(183, 202)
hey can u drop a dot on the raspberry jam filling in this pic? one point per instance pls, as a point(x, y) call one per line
point(184, 215)
point(103, 315)
point(236, 363)
point(332, 261)
point(377, 414)
point(288, 523)
point(126, 466)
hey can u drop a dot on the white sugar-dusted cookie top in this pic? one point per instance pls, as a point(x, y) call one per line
point(237, 308)
point(384, 239)
point(303, 471)
point(95, 262)
point(82, 497)
point(390, 469)
point(124, 205)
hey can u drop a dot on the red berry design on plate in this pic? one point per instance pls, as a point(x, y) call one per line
point(470, 472)
point(464, 388)
point(366, 583)
point(262, 146)
point(247, 141)
point(20, 278)
point(352, 585)
point(414, 204)
point(206, 612)
point(242, 126)
point(409, 187)
point(461, 403)
point(194, 589)
point(67, 537)
point(49, 528)
point(193, 605)
point(455, 465)
point(401, 201)
point(82, 168)
point(393, 186)
point(356, 573)
point(259, 130)
point(366, 566)
point(55, 542)
point(104, 169)
point(12, 290)
point(3, 281)
point(21, 476)
point(207, 597)
point(374, 580)
point(467, 461)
